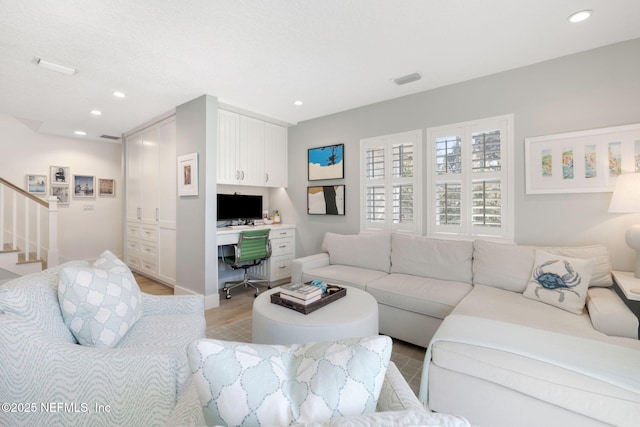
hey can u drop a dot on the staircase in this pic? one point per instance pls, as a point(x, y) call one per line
point(24, 247)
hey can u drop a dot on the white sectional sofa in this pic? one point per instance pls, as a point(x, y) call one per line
point(501, 357)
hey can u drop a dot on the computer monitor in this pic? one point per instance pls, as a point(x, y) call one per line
point(233, 207)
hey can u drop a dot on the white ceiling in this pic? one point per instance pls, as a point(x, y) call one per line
point(261, 55)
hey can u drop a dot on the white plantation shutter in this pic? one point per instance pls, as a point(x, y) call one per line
point(391, 175)
point(471, 178)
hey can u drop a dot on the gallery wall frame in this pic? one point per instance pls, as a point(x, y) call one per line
point(59, 174)
point(84, 186)
point(36, 184)
point(326, 200)
point(583, 161)
point(188, 175)
point(61, 191)
point(326, 162)
point(106, 187)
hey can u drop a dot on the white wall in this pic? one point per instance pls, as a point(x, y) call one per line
point(593, 89)
point(82, 234)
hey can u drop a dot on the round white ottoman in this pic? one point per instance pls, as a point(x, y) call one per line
point(354, 315)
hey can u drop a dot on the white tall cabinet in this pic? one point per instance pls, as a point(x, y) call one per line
point(250, 151)
point(150, 174)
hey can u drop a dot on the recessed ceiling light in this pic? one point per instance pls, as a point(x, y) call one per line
point(80, 132)
point(580, 16)
point(298, 103)
point(55, 67)
point(96, 112)
point(119, 94)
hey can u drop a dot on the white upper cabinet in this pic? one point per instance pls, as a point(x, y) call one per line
point(250, 151)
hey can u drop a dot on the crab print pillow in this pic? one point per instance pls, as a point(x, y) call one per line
point(560, 281)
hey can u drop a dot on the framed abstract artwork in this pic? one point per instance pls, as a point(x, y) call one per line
point(326, 162)
point(61, 191)
point(583, 161)
point(106, 187)
point(325, 200)
point(37, 184)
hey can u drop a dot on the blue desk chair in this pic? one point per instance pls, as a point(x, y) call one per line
point(252, 249)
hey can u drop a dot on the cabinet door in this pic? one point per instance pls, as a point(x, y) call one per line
point(228, 148)
point(275, 159)
point(167, 181)
point(150, 162)
point(251, 151)
point(134, 177)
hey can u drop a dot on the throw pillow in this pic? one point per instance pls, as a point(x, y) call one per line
point(560, 281)
point(262, 385)
point(99, 306)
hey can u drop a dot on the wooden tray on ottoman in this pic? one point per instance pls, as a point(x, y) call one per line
point(309, 308)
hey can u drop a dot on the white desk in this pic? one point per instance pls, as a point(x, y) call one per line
point(283, 251)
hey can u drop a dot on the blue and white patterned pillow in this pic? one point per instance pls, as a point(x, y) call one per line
point(265, 385)
point(99, 306)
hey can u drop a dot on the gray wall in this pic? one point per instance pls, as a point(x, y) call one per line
point(196, 130)
point(593, 89)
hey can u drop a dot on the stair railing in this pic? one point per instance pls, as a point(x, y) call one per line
point(15, 197)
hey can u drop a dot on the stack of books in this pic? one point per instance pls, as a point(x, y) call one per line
point(300, 293)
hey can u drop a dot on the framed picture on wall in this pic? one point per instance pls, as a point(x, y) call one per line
point(61, 191)
point(84, 186)
point(188, 175)
point(106, 187)
point(326, 162)
point(59, 174)
point(37, 184)
point(325, 200)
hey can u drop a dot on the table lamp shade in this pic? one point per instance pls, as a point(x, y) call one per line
point(626, 199)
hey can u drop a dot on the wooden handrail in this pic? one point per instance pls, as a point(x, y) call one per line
point(24, 193)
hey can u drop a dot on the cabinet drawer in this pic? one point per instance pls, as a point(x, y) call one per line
point(149, 266)
point(133, 247)
point(280, 268)
point(133, 261)
point(281, 247)
point(281, 233)
point(149, 248)
point(148, 232)
point(134, 230)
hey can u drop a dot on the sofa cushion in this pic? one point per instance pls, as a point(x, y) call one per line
point(560, 281)
point(365, 250)
point(34, 297)
point(99, 306)
point(436, 258)
point(254, 384)
point(423, 295)
point(504, 266)
point(343, 275)
point(509, 266)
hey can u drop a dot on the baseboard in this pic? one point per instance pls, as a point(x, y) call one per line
point(210, 301)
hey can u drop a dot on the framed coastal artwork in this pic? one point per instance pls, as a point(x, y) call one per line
point(61, 191)
point(326, 162)
point(37, 184)
point(188, 175)
point(325, 200)
point(582, 161)
point(84, 186)
point(106, 187)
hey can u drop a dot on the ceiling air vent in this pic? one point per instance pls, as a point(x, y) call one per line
point(114, 138)
point(407, 79)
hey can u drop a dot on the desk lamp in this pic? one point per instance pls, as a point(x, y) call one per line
point(626, 199)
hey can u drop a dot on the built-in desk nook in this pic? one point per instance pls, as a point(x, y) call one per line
point(282, 238)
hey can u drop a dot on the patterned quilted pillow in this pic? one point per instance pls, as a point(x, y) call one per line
point(266, 385)
point(560, 281)
point(99, 305)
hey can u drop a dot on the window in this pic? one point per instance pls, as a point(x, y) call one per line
point(390, 196)
point(470, 170)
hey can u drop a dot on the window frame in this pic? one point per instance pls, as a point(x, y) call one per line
point(387, 142)
point(466, 177)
